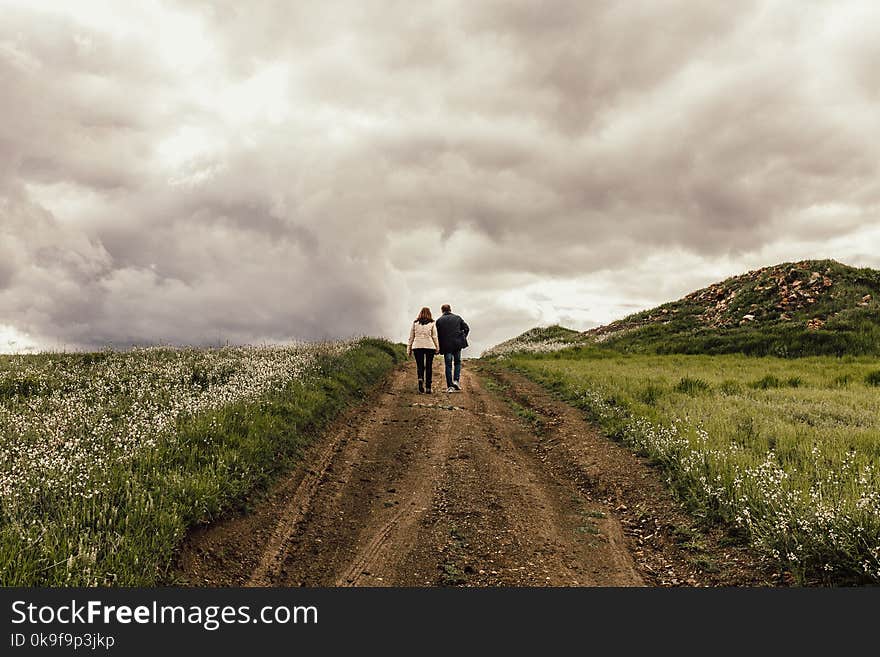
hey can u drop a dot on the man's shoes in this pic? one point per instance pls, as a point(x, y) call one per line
point(427, 391)
point(457, 386)
point(450, 389)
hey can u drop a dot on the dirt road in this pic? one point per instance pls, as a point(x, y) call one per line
point(499, 485)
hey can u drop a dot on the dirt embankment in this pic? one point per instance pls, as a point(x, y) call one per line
point(500, 485)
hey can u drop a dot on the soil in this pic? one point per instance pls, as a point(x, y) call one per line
point(497, 485)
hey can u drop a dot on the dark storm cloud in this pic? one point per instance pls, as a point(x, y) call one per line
point(202, 170)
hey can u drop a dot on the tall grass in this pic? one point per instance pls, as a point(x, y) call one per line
point(787, 451)
point(103, 471)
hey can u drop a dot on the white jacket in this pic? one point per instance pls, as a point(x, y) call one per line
point(423, 336)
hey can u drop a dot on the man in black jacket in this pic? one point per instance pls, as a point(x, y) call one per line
point(452, 332)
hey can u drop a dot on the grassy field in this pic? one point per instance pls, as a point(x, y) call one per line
point(786, 451)
point(107, 459)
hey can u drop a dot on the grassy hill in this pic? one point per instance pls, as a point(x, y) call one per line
point(807, 308)
point(538, 339)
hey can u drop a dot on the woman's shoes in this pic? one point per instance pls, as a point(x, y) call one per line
point(421, 386)
point(428, 391)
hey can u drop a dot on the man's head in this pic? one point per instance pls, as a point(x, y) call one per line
point(446, 308)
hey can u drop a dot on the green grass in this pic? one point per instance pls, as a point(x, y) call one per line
point(784, 451)
point(852, 334)
point(532, 419)
point(691, 386)
point(126, 531)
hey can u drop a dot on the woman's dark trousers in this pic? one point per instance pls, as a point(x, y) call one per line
point(424, 364)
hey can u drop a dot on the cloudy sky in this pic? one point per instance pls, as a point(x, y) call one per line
point(195, 172)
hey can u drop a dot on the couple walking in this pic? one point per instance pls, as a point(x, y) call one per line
point(447, 336)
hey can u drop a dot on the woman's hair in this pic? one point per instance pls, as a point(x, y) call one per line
point(424, 316)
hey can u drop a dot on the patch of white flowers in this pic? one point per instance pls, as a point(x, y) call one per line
point(521, 346)
point(834, 525)
point(65, 419)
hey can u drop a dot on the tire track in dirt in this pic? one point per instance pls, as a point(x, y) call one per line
point(509, 522)
point(385, 541)
point(269, 564)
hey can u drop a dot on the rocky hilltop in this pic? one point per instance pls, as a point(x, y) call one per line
point(801, 308)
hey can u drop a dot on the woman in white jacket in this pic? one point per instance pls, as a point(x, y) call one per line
point(423, 343)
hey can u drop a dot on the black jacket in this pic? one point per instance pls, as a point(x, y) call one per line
point(452, 332)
